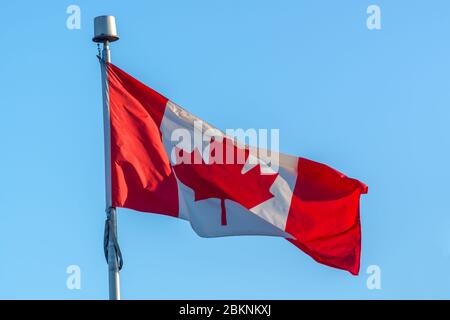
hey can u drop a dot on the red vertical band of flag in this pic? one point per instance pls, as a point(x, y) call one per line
point(142, 178)
point(324, 215)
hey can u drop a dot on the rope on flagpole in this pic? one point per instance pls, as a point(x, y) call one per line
point(109, 228)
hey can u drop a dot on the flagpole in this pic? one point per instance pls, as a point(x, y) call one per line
point(105, 32)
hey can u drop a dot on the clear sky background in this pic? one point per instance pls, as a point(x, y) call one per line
point(372, 104)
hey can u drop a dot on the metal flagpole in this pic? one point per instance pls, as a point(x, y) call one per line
point(105, 32)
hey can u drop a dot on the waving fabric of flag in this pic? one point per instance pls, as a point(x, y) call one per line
point(166, 160)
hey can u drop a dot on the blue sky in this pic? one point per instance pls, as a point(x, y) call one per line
point(373, 104)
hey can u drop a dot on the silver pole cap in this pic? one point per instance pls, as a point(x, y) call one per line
point(105, 29)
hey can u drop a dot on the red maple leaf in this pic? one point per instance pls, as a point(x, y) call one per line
point(224, 180)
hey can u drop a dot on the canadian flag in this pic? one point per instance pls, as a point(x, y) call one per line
point(157, 168)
